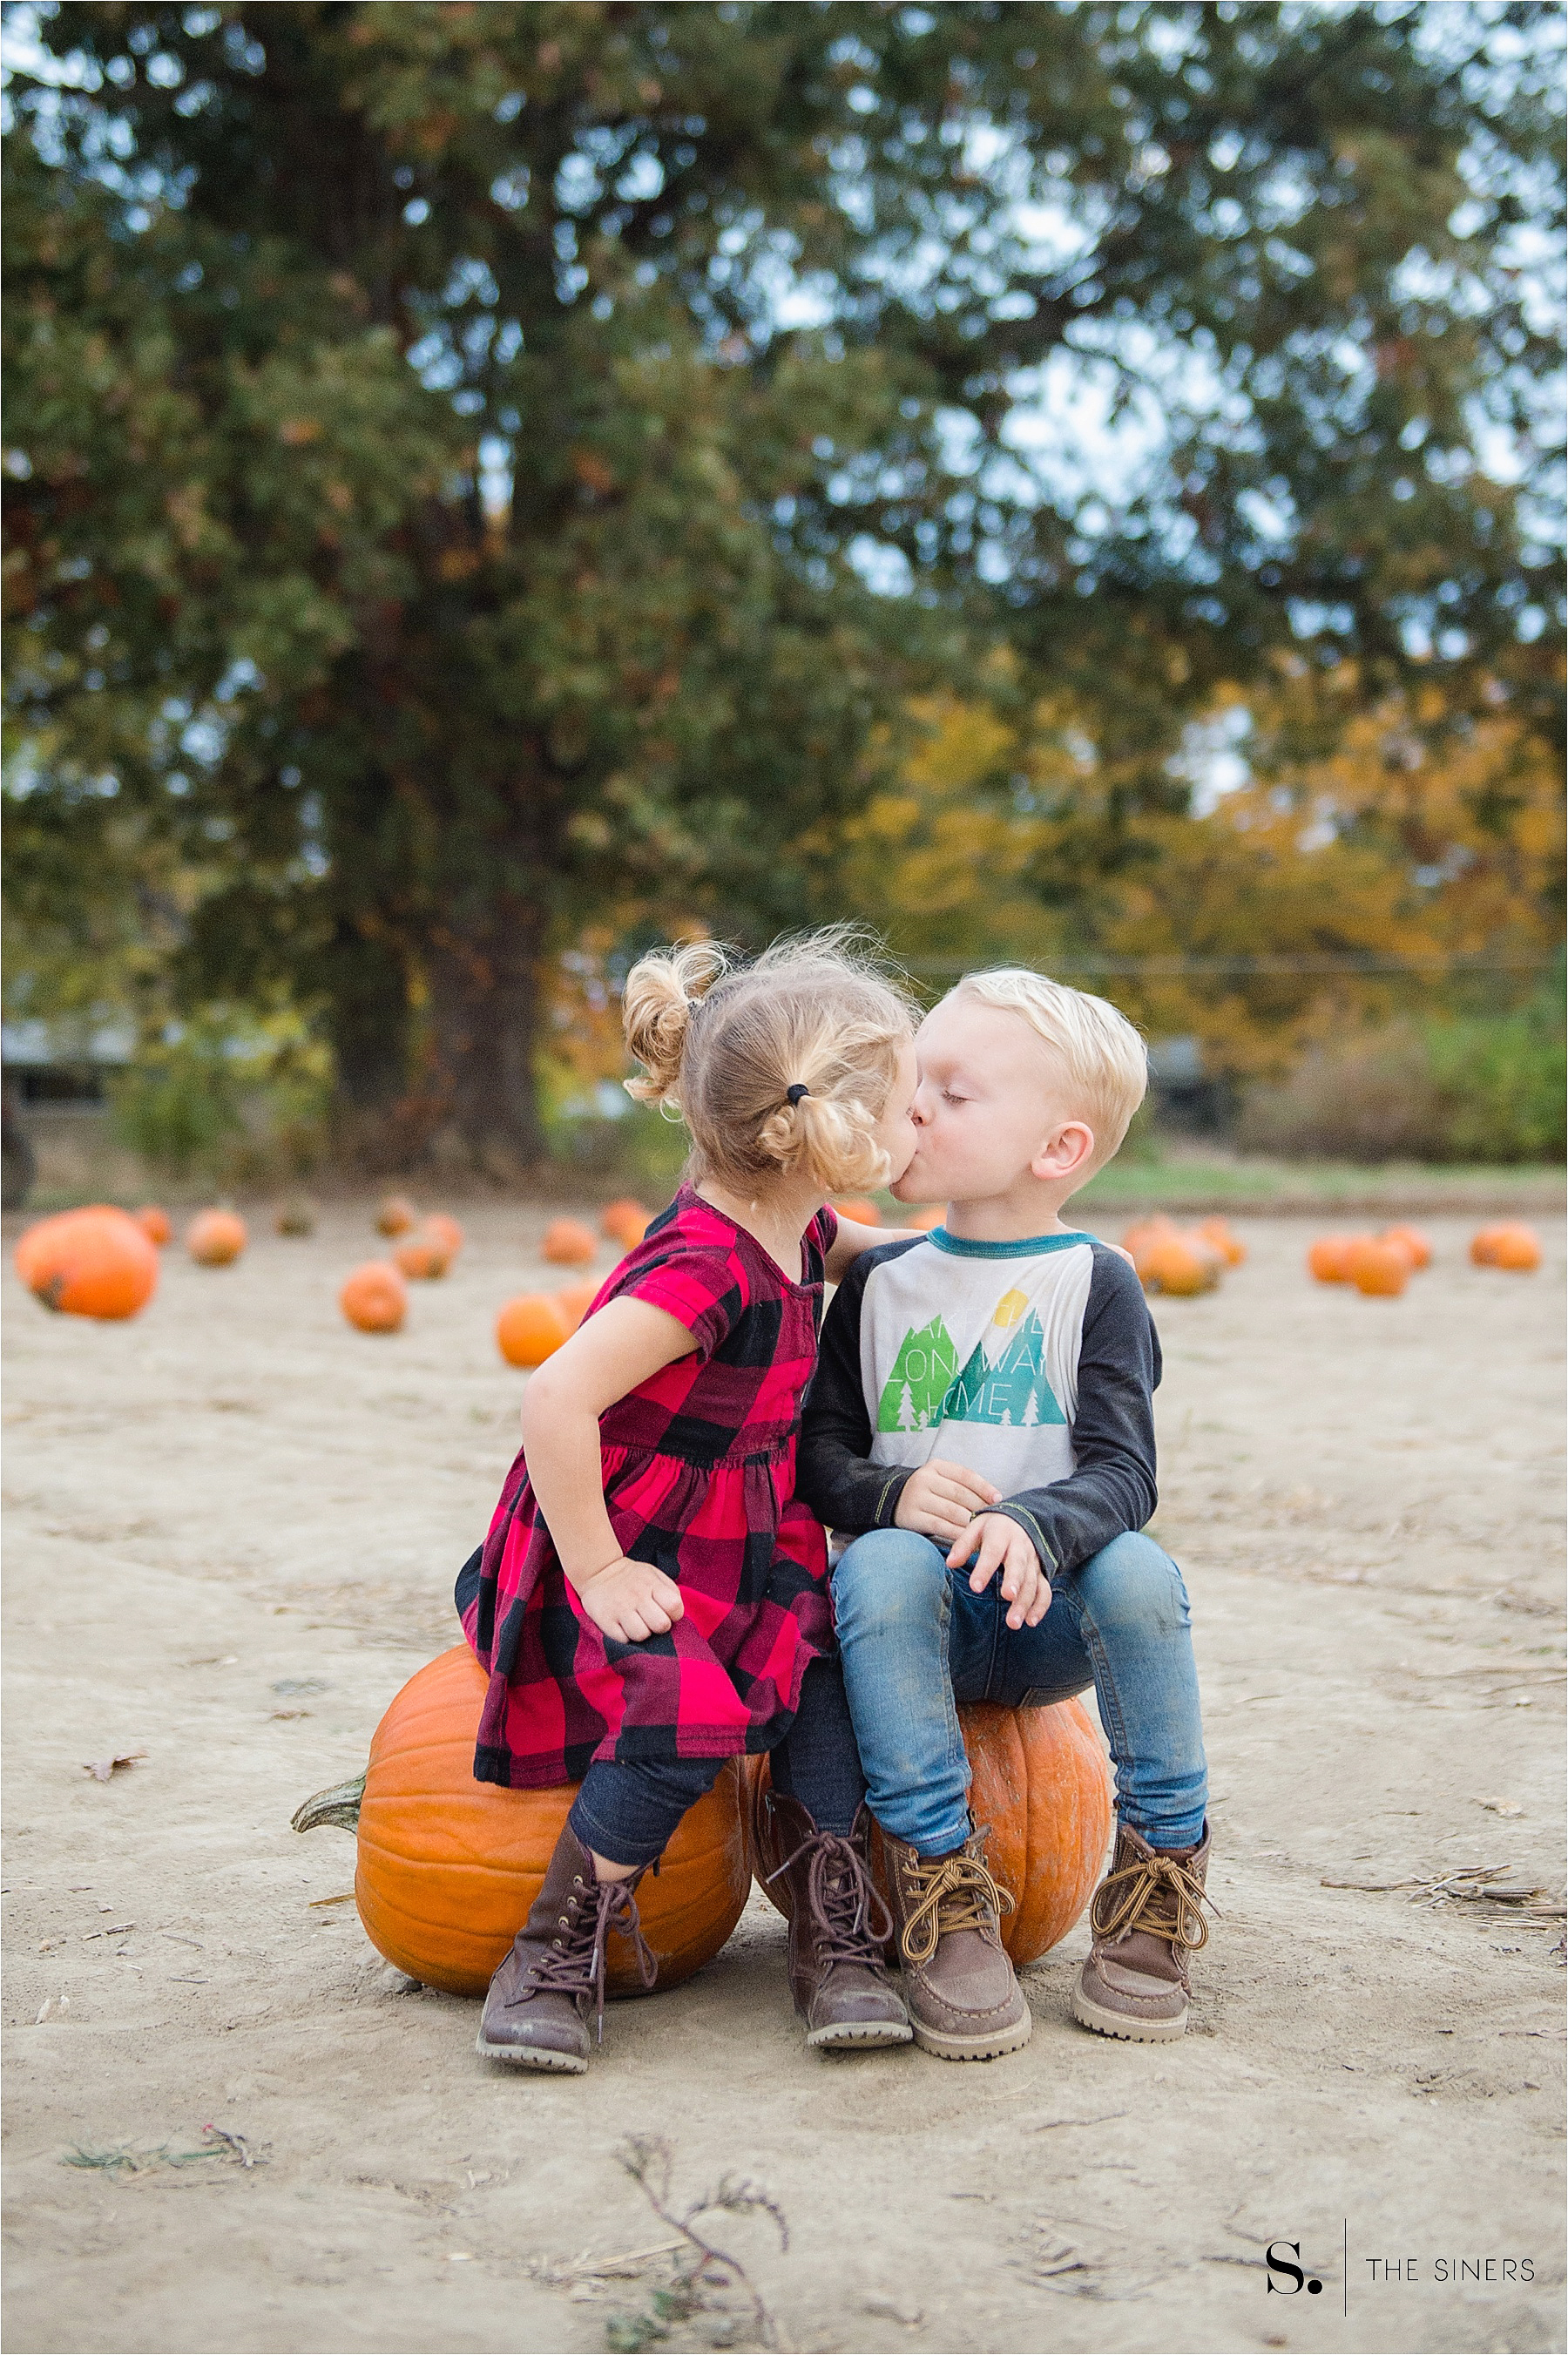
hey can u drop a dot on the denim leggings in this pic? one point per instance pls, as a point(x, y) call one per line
point(914, 1640)
point(628, 1812)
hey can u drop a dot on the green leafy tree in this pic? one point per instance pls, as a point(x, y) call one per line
point(455, 449)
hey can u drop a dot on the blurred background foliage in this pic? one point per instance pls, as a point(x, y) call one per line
point(487, 487)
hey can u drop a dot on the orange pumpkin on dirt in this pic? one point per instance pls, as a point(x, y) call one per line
point(1412, 1239)
point(423, 1256)
point(447, 1232)
point(448, 1866)
point(1510, 1244)
point(154, 1224)
point(216, 1238)
point(863, 1211)
point(1041, 1785)
point(396, 1216)
point(1216, 1232)
point(1381, 1268)
point(375, 1299)
point(532, 1328)
point(575, 1300)
point(625, 1222)
point(1329, 1257)
point(95, 1263)
point(1158, 1225)
point(568, 1244)
point(1179, 1264)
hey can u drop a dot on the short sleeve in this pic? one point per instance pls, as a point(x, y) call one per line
point(699, 1284)
point(823, 1232)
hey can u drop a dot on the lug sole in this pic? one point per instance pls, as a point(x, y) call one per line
point(1131, 2029)
point(945, 2046)
point(859, 2035)
point(533, 2056)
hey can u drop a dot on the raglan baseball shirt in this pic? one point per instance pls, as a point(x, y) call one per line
point(1032, 1362)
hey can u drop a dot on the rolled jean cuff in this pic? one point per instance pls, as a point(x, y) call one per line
point(629, 1813)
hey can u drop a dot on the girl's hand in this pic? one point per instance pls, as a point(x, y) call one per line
point(1004, 1546)
point(631, 1600)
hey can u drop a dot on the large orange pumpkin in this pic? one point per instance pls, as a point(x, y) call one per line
point(1042, 1788)
point(1380, 1268)
point(446, 1231)
point(1179, 1264)
point(625, 1222)
point(155, 1223)
point(568, 1244)
point(214, 1238)
point(396, 1215)
point(423, 1256)
point(374, 1298)
point(448, 1866)
point(95, 1263)
point(532, 1328)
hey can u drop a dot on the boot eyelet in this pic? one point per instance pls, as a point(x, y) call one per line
point(563, 1923)
point(577, 1880)
point(555, 1942)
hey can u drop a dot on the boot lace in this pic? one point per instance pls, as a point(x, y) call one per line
point(1156, 1893)
point(849, 1911)
point(955, 1892)
point(576, 1967)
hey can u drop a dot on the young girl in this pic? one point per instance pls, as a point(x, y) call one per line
point(650, 1600)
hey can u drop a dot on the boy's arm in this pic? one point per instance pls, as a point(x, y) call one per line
point(834, 1475)
point(1113, 1489)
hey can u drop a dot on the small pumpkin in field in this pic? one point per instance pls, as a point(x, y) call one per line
point(1217, 1232)
point(1039, 1784)
point(296, 1216)
point(857, 1207)
point(1379, 1269)
point(568, 1244)
point(396, 1215)
point(155, 1223)
point(448, 1868)
point(532, 1328)
point(575, 1300)
point(446, 1231)
point(95, 1263)
point(1510, 1244)
point(1329, 1258)
point(1412, 1239)
point(1177, 1264)
point(423, 1256)
point(216, 1238)
point(1156, 1226)
point(625, 1222)
point(374, 1298)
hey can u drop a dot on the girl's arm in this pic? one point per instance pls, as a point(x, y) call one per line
point(624, 1343)
point(852, 1238)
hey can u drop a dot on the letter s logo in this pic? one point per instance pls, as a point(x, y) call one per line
point(1294, 2274)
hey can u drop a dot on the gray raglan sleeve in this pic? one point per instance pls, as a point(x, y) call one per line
point(1113, 1489)
point(834, 1473)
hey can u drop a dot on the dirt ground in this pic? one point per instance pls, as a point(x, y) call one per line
point(233, 1530)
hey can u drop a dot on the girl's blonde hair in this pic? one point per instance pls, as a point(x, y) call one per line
point(724, 1043)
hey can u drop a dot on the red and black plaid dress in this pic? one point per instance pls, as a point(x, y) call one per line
point(699, 1471)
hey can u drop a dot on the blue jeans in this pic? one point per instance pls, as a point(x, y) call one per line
point(915, 1641)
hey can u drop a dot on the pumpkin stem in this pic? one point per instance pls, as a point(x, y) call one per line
point(339, 1806)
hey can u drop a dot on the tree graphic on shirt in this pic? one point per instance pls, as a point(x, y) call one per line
point(918, 1383)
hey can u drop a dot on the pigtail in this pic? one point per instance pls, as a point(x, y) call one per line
point(827, 1136)
point(663, 991)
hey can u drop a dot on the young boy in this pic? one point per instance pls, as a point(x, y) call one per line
point(979, 1436)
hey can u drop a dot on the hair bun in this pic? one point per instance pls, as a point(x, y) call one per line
point(663, 991)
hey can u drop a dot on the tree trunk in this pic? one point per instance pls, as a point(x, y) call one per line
point(485, 1007)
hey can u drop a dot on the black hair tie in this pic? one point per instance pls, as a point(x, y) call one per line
point(795, 1093)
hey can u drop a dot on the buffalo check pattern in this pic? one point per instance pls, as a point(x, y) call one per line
point(699, 1471)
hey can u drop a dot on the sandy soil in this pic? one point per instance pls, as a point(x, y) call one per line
point(236, 1498)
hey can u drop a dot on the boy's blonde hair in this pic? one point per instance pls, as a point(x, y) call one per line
point(723, 1044)
point(1105, 1060)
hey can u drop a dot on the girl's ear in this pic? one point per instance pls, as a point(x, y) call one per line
point(1064, 1151)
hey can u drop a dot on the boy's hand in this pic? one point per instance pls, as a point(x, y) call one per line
point(1004, 1546)
point(940, 1500)
point(630, 1600)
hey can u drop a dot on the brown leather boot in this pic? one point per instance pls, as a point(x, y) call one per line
point(839, 1926)
point(1146, 1918)
point(535, 2015)
point(964, 2002)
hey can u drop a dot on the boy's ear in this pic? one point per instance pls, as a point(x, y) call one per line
point(1065, 1151)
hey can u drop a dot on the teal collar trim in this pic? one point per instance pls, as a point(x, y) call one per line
point(1030, 1247)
